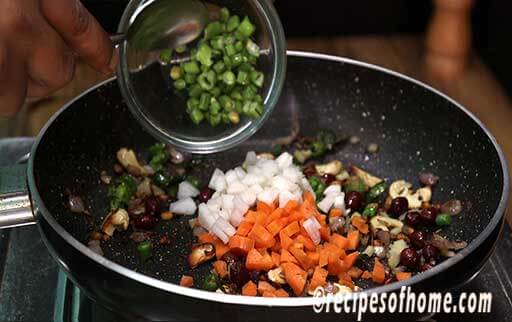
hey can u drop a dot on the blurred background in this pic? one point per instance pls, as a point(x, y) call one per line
point(458, 46)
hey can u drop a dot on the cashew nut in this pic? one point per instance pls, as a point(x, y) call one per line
point(277, 275)
point(129, 161)
point(367, 178)
point(115, 220)
point(403, 188)
point(334, 167)
point(394, 226)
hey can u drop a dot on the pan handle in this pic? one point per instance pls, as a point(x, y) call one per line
point(15, 205)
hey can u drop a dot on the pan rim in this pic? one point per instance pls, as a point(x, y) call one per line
point(260, 301)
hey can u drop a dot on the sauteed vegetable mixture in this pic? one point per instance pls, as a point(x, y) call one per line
point(283, 222)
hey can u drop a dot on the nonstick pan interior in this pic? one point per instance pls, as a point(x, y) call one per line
point(416, 130)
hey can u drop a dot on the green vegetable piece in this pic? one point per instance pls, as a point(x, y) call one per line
point(230, 50)
point(242, 78)
point(233, 23)
point(237, 59)
point(224, 14)
point(204, 55)
point(176, 72)
point(319, 191)
point(257, 78)
point(370, 210)
point(226, 103)
point(219, 67)
point(376, 191)
point(252, 48)
point(207, 80)
point(166, 55)
point(443, 219)
point(215, 119)
point(190, 79)
point(214, 106)
point(195, 91)
point(246, 28)
point(145, 250)
point(302, 156)
point(217, 43)
point(191, 67)
point(213, 29)
point(228, 77)
point(314, 182)
point(239, 46)
point(204, 101)
point(162, 179)
point(180, 84)
point(159, 156)
point(355, 184)
point(181, 49)
point(318, 148)
point(122, 191)
point(211, 282)
point(196, 116)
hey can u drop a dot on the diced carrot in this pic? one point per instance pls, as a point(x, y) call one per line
point(353, 239)
point(335, 266)
point(276, 258)
point(323, 257)
point(355, 272)
point(291, 205)
point(244, 228)
point(301, 257)
point(360, 224)
point(240, 245)
point(263, 207)
point(366, 275)
point(295, 277)
point(334, 251)
point(276, 214)
point(335, 212)
point(378, 273)
point(307, 210)
point(249, 289)
point(319, 278)
point(306, 241)
point(277, 225)
point(220, 248)
point(321, 219)
point(345, 276)
point(291, 229)
point(286, 241)
point(296, 215)
point(187, 281)
point(347, 283)
point(250, 216)
point(325, 233)
point(268, 294)
point(265, 286)
point(308, 197)
point(276, 248)
point(261, 237)
point(281, 293)
point(206, 238)
point(339, 241)
point(351, 259)
point(221, 267)
point(314, 256)
point(287, 257)
point(402, 276)
point(261, 217)
point(257, 260)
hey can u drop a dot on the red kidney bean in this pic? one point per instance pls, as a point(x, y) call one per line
point(398, 206)
point(354, 200)
point(418, 238)
point(409, 257)
point(413, 218)
point(428, 216)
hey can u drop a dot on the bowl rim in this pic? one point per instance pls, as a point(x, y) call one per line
point(261, 301)
point(242, 133)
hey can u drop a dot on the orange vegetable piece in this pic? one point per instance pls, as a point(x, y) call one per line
point(402, 276)
point(265, 286)
point(325, 233)
point(308, 197)
point(355, 272)
point(295, 277)
point(240, 245)
point(314, 257)
point(268, 294)
point(291, 205)
point(277, 225)
point(261, 217)
point(296, 215)
point(335, 266)
point(301, 257)
point(187, 281)
point(323, 257)
point(261, 236)
point(291, 229)
point(306, 241)
point(335, 212)
point(281, 293)
point(321, 219)
point(360, 223)
point(220, 248)
point(276, 214)
point(319, 278)
point(378, 273)
point(206, 238)
point(244, 228)
point(338, 240)
point(221, 267)
point(263, 207)
point(286, 241)
point(250, 216)
point(249, 289)
point(351, 259)
point(353, 239)
point(366, 275)
point(286, 256)
point(257, 260)
point(276, 258)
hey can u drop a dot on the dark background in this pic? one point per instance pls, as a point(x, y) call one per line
point(491, 22)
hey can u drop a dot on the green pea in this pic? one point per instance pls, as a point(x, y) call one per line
point(376, 191)
point(370, 210)
point(443, 219)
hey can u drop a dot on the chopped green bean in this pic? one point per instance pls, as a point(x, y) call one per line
point(443, 219)
point(228, 77)
point(191, 67)
point(197, 116)
point(246, 28)
point(224, 14)
point(145, 250)
point(233, 23)
point(213, 29)
point(252, 48)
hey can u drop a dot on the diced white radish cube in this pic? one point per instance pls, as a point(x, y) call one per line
point(231, 176)
point(236, 187)
point(227, 202)
point(240, 172)
point(206, 218)
point(268, 195)
point(185, 206)
point(218, 181)
point(284, 160)
point(252, 178)
point(293, 174)
point(187, 190)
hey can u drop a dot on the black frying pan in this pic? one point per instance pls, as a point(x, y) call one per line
point(416, 128)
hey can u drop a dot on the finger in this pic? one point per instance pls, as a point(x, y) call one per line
point(52, 65)
point(81, 32)
point(13, 82)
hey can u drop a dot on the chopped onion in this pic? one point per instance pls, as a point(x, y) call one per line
point(326, 204)
point(185, 206)
point(76, 204)
point(218, 181)
point(452, 207)
point(428, 178)
point(187, 190)
point(333, 189)
point(285, 160)
point(312, 228)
